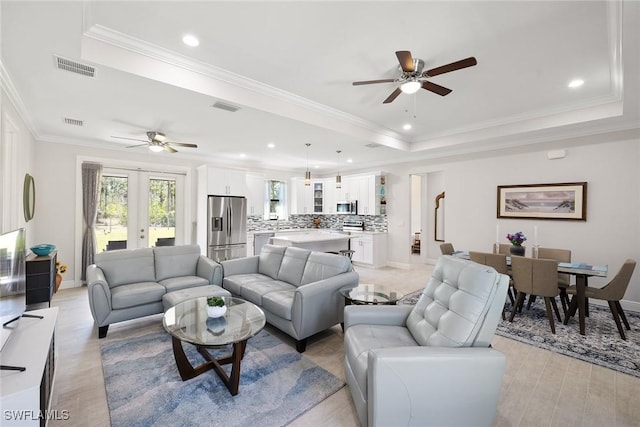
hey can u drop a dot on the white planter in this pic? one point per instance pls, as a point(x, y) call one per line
point(216, 311)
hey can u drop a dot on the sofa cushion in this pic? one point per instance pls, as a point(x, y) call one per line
point(292, 266)
point(176, 261)
point(270, 260)
point(279, 303)
point(359, 339)
point(256, 292)
point(235, 283)
point(127, 266)
point(321, 266)
point(454, 303)
point(134, 294)
point(183, 282)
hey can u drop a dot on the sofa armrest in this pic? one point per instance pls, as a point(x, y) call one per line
point(99, 294)
point(248, 265)
point(416, 385)
point(210, 270)
point(319, 305)
point(390, 315)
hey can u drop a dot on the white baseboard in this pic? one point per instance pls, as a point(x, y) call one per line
point(630, 306)
point(68, 284)
point(402, 265)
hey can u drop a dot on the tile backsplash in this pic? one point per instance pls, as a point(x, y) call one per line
point(333, 222)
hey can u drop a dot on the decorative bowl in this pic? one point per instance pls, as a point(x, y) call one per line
point(43, 249)
point(216, 311)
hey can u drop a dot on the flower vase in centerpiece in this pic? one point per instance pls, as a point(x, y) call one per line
point(517, 239)
point(216, 307)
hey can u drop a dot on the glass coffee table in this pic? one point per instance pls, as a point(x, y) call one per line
point(188, 322)
point(368, 293)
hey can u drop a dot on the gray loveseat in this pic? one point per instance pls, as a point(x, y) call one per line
point(131, 283)
point(299, 290)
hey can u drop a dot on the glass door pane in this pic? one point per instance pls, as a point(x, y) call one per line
point(113, 213)
point(162, 211)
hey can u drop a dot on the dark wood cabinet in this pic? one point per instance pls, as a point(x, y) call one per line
point(41, 277)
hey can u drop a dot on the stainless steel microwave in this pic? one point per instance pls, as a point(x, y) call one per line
point(350, 208)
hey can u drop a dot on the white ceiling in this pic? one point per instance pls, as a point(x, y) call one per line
point(289, 67)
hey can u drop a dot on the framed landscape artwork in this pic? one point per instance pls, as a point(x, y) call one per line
point(566, 201)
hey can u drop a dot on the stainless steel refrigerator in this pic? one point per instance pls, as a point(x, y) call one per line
point(227, 227)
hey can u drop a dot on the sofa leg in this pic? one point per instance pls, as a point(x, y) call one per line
point(301, 345)
point(102, 331)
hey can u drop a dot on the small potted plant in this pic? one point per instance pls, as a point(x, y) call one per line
point(517, 240)
point(216, 307)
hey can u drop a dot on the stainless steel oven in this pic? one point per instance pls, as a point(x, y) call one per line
point(347, 207)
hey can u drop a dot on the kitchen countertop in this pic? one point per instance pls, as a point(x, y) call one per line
point(314, 230)
point(309, 237)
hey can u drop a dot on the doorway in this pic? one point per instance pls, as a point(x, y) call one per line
point(139, 209)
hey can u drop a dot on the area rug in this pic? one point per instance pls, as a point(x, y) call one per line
point(277, 384)
point(601, 344)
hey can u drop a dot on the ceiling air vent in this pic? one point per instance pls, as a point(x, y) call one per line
point(75, 67)
point(226, 107)
point(73, 122)
point(373, 145)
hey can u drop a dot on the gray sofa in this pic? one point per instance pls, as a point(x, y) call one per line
point(298, 289)
point(131, 283)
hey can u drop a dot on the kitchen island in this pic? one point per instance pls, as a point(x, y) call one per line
point(314, 240)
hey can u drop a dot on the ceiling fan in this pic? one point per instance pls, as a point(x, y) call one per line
point(157, 142)
point(413, 78)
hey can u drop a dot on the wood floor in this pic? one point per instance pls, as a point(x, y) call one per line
point(540, 388)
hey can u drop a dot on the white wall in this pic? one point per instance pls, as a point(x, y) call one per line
point(610, 235)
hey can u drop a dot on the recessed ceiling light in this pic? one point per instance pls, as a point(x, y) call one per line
point(406, 126)
point(576, 83)
point(349, 160)
point(271, 145)
point(243, 155)
point(190, 40)
point(316, 166)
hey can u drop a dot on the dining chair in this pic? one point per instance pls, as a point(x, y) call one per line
point(612, 292)
point(499, 263)
point(536, 277)
point(560, 255)
point(446, 248)
point(504, 249)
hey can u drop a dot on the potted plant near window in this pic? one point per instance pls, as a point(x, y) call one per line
point(216, 307)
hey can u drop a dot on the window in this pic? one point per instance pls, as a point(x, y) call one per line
point(276, 200)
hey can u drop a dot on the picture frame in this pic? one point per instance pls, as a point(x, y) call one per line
point(563, 201)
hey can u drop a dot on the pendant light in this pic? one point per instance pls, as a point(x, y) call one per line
point(307, 174)
point(338, 177)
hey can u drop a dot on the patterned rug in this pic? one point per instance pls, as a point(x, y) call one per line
point(277, 384)
point(601, 345)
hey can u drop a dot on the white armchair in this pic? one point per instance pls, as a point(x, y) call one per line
point(430, 364)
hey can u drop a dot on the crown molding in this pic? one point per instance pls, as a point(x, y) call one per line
point(6, 83)
point(139, 47)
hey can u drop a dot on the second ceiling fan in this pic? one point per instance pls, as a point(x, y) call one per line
point(413, 78)
point(158, 142)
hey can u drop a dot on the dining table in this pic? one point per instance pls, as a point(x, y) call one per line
point(581, 271)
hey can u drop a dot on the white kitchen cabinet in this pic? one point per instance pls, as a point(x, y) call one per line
point(256, 189)
point(226, 182)
point(330, 196)
point(301, 197)
point(318, 196)
point(370, 249)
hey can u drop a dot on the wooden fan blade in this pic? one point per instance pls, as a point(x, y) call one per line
point(134, 146)
point(182, 144)
point(432, 87)
point(406, 61)
point(463, 63)
point(132, 139)
point(169, 148)
point(369, 82)
point(393, 96)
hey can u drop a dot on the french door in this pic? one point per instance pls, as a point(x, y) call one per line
point(140, 209)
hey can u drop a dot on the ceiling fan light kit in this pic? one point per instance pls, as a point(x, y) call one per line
point(157, 141)
point(412, 78)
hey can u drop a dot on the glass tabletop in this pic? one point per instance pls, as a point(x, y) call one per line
point(188, 321)
point(369, 293)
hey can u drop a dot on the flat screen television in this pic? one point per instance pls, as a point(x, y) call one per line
point(12, 282)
